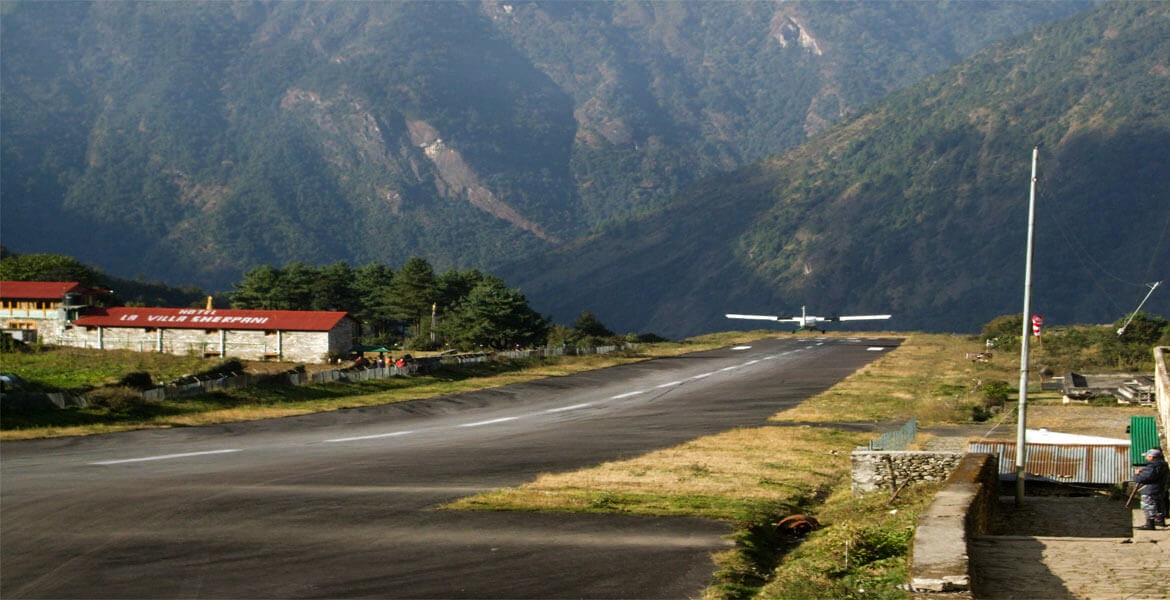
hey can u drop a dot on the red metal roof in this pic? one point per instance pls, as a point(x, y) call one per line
point(216, 318)
point(39, 290)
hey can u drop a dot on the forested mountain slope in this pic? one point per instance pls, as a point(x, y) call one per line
point(191, 141)
point(918, 207)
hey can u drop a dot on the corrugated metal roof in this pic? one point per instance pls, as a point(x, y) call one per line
point(197, 318)
point(1143, 435)
point(38, 290)
point(1044, 436)
point(1063, 463)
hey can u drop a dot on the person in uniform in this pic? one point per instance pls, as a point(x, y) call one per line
point(1153, 479)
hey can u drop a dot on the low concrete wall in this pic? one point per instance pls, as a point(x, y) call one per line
point(875, 470)
point(964, 508)
point(1162, 393)
point(39, 401)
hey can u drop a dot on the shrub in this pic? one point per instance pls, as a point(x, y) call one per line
point(8, 344)
point(1004, 326)
point(1103, 400)
point(980, 413)
point(871, 544)
point(121, 399)
point(423, 344)
point(139, 380)
point(995, 393)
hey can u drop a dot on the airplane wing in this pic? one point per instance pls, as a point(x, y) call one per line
point(863, 317)
point(765, 318)
point(755, 317)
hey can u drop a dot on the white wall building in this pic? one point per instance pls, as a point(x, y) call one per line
point(287, 335)
point(40, 310)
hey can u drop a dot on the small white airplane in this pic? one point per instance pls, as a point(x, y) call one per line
point(808, 322)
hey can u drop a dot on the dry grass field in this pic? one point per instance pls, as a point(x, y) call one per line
point(734, 476)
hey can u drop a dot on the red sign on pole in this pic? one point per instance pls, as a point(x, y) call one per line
point(1037, 321)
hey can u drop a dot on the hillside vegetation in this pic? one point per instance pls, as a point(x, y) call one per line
point(133, 292)
point(191, 141)
point(918, 206)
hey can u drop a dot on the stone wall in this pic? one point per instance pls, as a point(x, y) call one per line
point(965, 507)
point(881, 470)
point(291, 346)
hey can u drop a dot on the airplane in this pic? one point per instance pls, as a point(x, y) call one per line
point(806, 321)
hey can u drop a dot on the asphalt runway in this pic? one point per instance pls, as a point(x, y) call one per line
point(342, 504)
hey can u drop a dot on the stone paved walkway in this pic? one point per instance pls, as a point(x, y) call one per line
point(1064, 548)
point(1071, 548)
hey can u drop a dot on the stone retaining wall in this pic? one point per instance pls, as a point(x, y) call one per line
point(965, 507)
point(877, 470)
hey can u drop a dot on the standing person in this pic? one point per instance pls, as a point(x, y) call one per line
point(1152, 478)
point(1164, 499)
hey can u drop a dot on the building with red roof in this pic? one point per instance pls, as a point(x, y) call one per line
point(289, 335)
point(44, 290)
point(29, 309)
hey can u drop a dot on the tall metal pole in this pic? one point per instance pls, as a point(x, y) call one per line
point(1025, 338)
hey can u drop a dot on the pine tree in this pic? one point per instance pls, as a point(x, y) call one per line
point(493, 316)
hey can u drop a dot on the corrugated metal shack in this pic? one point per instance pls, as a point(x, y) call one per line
point(1103, 461)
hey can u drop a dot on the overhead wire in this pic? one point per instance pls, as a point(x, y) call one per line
point(1158, 247)
point(1094, 270)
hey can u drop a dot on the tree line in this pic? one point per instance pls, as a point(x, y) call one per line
point(413, 306)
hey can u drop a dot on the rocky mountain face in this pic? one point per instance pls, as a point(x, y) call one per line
point(189, 142)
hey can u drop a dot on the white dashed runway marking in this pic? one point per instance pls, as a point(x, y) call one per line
point(164, 457)
point(393, 434)
point(489, 422)
point(369, 437)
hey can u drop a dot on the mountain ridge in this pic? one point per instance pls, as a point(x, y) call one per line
point(915, 207)
point(193, 141)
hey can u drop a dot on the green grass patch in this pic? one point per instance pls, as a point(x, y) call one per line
point(861, 551)
point(79, 370)
point(712, 506)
